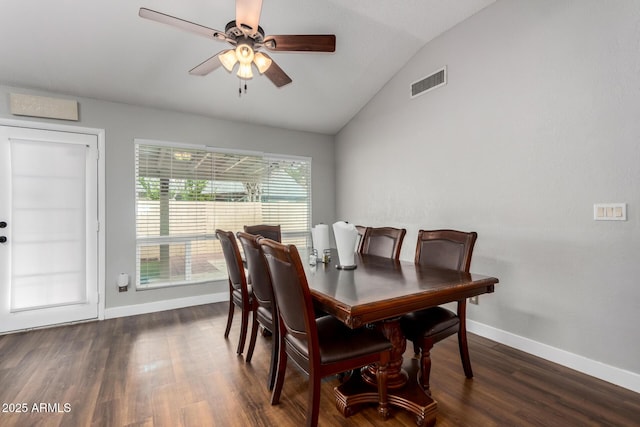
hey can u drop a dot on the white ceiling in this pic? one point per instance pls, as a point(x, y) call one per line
point(102, 49)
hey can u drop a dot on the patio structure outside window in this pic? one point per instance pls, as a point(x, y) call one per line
point(184, 193)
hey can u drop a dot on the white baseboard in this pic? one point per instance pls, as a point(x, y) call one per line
point(627, 379)
point(152, 307)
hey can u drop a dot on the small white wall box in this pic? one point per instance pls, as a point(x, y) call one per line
point(610, 211)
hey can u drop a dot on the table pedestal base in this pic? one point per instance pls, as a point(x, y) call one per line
point(356, 392)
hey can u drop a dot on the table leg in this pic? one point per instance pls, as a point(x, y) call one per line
point(397, 377)
point(404, 390)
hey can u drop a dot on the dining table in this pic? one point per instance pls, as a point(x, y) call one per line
point(376, 293)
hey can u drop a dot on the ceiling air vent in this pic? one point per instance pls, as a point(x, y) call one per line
point(424, 85)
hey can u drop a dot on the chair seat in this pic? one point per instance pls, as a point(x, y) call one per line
point(265, 314)
point(237, 295)
point(338, 342)
point(432, 321)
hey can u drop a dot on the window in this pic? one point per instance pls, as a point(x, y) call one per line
point(183, 194)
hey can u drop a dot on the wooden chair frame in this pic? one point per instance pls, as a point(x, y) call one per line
point(299, 334)
point(439, 323)
point(264, 312)
point(239, 291)
point(374, 233)
point(272, 232)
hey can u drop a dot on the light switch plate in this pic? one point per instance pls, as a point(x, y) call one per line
point(610, 211)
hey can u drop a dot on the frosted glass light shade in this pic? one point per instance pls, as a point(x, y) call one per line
point(244, 71)
point(262, 62)
point(228, 59)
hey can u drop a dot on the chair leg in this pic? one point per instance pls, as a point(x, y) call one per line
point(313, 404)
point(243, 330)
point(273, 366)
point(381, 376)
point(425, 365)
point(464, 351)
point(282, 368)
point(416, 348)
point(252, 339)
point(229, 317)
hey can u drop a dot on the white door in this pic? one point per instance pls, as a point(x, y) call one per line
point(48, 227)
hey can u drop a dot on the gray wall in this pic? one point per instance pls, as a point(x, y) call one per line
point(539, 121)
point(123, 123)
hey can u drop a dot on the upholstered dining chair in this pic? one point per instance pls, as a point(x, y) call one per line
point(319, 346)
point(383, 241)
point(264, 310)
point(240, 294)
point(265, 230)
point(449, 249)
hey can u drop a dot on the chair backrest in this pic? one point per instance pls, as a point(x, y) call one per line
point(257, 268)
point(383, 241)
point(445, 249)
point(265, 230)
point(293, 298)
point(233, 259)
point(362, 230)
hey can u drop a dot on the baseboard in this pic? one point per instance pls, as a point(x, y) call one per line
point(620, 377)
point(152, 307)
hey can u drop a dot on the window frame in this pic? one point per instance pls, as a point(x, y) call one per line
point(142, 241)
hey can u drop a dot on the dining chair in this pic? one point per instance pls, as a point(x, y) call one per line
point(449, 249)
point(264, 310)
point(240, 293)
point(321, 346)
point(383, 241)
point(265, 230)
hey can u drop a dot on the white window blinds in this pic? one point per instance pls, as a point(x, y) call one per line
point(184, 194)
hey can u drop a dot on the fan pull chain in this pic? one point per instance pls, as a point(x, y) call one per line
point(240, 88)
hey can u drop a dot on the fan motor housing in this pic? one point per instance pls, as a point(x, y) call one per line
point(234, 32)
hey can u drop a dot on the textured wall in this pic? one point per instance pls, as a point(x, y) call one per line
point(123, 123)
point(538, 121)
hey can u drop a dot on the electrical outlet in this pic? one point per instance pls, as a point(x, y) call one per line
point(474, 300)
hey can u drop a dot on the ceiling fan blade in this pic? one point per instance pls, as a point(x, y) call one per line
point(301, 43)
point(248, 15)
point(207, 66)
point(277, 76)
point(181, 23)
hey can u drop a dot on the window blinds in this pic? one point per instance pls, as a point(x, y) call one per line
point(184, 194)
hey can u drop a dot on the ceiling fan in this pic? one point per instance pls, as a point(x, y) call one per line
point(247, 39)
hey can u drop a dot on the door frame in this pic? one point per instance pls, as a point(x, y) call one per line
point(100, 135)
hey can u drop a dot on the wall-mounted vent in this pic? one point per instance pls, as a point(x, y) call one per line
point(424, 85)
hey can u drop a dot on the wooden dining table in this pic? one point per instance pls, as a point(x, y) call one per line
point(376, 294)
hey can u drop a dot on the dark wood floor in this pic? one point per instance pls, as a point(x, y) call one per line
point(174, 368)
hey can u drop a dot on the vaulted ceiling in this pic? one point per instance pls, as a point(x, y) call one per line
point(102, 49)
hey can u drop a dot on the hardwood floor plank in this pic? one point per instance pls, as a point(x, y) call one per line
point(174, 368)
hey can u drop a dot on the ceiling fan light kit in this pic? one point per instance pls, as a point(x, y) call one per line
point(247, 38)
